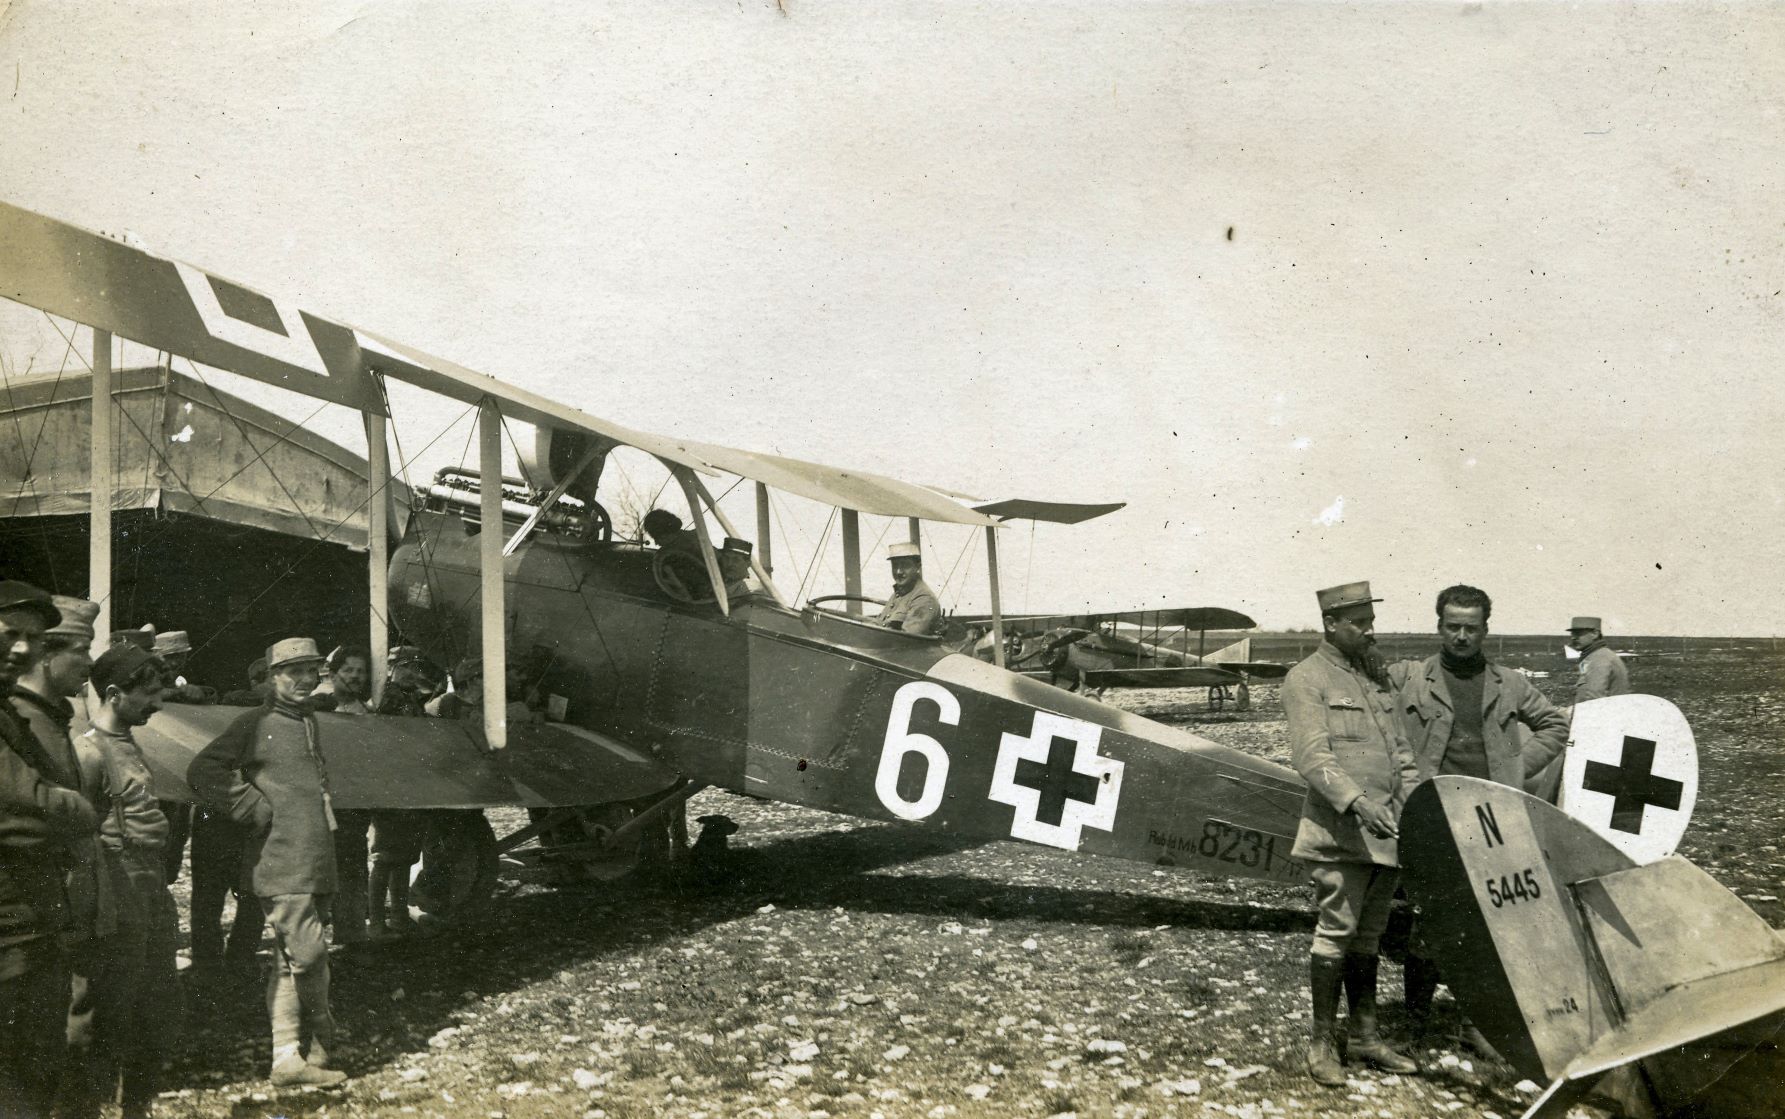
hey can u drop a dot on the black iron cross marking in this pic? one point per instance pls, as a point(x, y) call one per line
point(1632, 785)
point(1058, 782)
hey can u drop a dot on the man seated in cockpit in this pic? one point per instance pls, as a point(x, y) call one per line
point(666, 531)
point(913, 607)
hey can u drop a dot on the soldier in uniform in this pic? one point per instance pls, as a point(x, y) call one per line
point(1602, 671)
point(43, 819)
point(266, 771)
point(913, 607)
point(1349, 747)
point(135, 983)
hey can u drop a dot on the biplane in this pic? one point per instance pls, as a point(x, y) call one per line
point(1134, 649)
point(665, 672)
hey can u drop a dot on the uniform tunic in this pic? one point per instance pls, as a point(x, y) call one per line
point(1602, 673)
point(266, 772)
point(1428, 717)
point(1345, 742)
point(916, 611)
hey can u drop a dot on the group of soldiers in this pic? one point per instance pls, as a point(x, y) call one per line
point(1363, 733)
point(88, 927)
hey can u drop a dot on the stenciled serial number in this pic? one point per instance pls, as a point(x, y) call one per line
point(1224, 843)
point(1510, 889)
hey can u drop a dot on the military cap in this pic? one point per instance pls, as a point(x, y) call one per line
point(1343, 595)
point(77, 618)
point(17, 595)
point(1583, 621)
point(143, 638)
point(292, 650)
point(172, 643)
point(904, 551)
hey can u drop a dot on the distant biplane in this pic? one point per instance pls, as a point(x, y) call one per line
point(663, 678)
point(1092, 652)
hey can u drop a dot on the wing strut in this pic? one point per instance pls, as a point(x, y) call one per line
point(758, 564)
point(691, 493)
point(991, 563)
point(852, 560)
point(489, 541)
point(378, 550)
point(99, 505)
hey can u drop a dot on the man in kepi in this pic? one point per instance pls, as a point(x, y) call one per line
point(1461, 713)
point(266, 771)
point(1602, 671)
point(42, 821)
point(913, 607)
point(1348, 746)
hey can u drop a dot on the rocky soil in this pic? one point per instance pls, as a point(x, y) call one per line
point(846, 968)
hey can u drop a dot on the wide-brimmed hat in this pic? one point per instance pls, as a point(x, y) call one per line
point(18, 595)
point(292, 650)
point(1343, 595)
point(77, 618)
point(1583, 621)
point(904, 551)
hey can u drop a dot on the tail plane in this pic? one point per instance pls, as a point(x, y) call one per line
point(1650, 984)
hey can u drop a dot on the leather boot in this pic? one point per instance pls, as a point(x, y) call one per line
point(1324, 979)
point(1366, 1043)
point(1421, 979)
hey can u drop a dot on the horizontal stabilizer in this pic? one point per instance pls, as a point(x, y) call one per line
point(1689, 1012)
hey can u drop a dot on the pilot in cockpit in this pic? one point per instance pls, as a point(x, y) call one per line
point(913, 607)
point(666, 531)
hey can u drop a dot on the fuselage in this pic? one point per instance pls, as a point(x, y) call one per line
point(833, 712)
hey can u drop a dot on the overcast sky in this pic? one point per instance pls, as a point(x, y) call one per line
point(1413, 293)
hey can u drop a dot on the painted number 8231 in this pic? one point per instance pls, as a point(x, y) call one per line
point(1510, 889)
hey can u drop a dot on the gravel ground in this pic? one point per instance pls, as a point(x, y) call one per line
point(847, 968)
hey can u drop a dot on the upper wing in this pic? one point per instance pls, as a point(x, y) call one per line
point(388, 761)
point(178, 307)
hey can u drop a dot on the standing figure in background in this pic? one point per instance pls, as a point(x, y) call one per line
point(1347, 744)
point(1602, 671)
point(266, 770)
point(351, 683)
point(136, 987)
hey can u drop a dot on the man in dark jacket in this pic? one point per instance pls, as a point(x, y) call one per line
point(42, 818)
point(1345, 742)
point(266, 771)
point(1463, 715)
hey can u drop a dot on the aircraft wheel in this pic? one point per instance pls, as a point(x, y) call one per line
point(458, 865)
point(654, 851)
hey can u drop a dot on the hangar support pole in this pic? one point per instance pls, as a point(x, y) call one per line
point(99, 503)
point(495, 612)
point(378, 551)
point(852, 559)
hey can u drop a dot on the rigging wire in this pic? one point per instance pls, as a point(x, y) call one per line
point(818, 551)
point(30, 482)
point(371, 495)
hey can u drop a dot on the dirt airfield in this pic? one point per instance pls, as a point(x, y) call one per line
point(854, 969)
